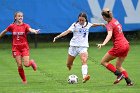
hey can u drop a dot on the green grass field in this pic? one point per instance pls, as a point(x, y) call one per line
point(52, 74)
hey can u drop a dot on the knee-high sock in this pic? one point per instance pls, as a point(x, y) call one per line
point(30, 64)
point(127, 79)
point(125, 74)
point(21, 73)
point(111, 68)
point(84, 70)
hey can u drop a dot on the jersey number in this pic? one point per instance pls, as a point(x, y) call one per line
point(17, 37)
point(119, 29)
point(84, 34)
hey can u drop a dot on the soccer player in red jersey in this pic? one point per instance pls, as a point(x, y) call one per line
point(20, 48)
point(120, 47)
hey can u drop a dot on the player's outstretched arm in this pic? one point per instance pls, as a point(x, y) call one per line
point(3, 33)
point(61, 35)
point(98, 24)
point(34, 30)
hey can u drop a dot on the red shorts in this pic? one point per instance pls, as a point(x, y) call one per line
point(119, 51)
point(20, 50)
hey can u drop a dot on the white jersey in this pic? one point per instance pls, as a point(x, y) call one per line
point(80, 34)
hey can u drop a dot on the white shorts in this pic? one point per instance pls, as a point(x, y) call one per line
point(74, 50)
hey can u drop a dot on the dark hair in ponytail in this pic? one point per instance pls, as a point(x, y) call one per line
point(82, 14)
point(16, 14)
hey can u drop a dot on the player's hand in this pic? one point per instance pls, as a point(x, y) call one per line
point(100, 45)
point(103, 25)
point(55, 38)
point(37, 31)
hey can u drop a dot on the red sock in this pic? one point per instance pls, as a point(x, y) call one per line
point(125, 74)
point(111, 68)
point(30, 63)
point(21, 73)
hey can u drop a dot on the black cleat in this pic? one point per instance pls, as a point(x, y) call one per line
point(130, 84)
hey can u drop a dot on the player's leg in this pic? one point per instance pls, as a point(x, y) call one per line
point(71, 56)
point(119, 67)
point(84, 56)
point(28, 63)
point(20, 69)
point(70, 61)
point(84, 68)
point(105, 62)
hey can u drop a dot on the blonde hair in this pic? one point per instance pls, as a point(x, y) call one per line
point(16, 14)
point(107, 13)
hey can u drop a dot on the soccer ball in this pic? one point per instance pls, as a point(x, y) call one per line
point(72, 79)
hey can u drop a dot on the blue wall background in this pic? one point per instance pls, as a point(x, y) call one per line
point(55, 16)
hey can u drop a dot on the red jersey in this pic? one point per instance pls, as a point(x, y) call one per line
point(117, 36)
point(19, 33)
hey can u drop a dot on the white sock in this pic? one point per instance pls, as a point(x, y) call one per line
point(84, 70)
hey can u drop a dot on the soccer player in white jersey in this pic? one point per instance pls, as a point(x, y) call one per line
point(79, 43)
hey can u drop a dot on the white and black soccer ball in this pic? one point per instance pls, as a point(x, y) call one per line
point(72, 79)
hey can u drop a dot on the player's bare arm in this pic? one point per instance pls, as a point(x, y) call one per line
point(3, 33)
point(61, 35)
point(98, 24)
point(108, 37)
point(34, 30)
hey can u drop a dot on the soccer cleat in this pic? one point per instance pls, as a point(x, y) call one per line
point(86, 78)
point(24, 82)
point(130, 84)
point(34, 66)
point(119, 78)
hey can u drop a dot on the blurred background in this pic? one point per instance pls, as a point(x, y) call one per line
point(56, 16)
